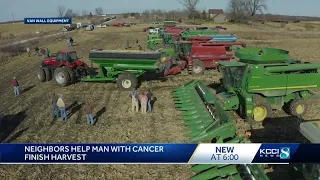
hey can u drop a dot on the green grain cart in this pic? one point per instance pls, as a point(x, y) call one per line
point(266, 79)
point(124, 67)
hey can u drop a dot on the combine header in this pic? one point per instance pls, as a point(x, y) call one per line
point(205, 118)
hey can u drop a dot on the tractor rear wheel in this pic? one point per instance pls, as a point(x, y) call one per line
point(261, 110)
point(127, 81)
point(71, 75)
point(41, 75)
point(62, 76)
point(297, 107)
point(198, 67)
point(48, 73)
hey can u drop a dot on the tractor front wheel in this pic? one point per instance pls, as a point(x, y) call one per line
point(297, 107)
point(127, 81)
point(198, 67)
point(62, 76)
point(41, 75)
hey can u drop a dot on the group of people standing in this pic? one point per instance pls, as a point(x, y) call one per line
point(144, 99)
point(59, 109)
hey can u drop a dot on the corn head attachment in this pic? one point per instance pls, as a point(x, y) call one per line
point(202, 113)
point(205, 117)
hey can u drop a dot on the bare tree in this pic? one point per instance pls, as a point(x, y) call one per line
point(85, 13)
point(146, 13)
point(99, 10)
point(190, 5)
point(69, 13)
point(237, 10)
point(61, 10)
point(254, 6)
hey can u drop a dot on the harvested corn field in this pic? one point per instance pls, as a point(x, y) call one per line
point(28, 117)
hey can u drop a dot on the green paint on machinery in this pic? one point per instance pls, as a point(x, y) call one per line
point(266, 79)
point(206, 119)
point(311, 131)
point(153, 36)
point(123, 67)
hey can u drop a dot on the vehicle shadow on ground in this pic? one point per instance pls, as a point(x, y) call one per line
point(279, 130)
point(28, 88)
point(9, 124)
point(99, 114)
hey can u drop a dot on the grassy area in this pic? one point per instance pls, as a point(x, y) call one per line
point(117, 123)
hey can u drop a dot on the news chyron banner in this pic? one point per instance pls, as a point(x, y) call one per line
point(159, 153)
point(47, 20)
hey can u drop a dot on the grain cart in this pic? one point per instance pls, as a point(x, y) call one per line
point(266, 79)
point(65, 68)
point(206, 120)
point(202, 55)
point(123, 67)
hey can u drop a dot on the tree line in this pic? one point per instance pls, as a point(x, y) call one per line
point(237, 11)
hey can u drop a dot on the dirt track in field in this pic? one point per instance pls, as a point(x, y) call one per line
point(29, 116)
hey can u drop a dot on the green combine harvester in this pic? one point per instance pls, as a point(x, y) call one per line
point(266, 79)
point(206, 120)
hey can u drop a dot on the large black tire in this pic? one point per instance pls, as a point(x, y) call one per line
point(71, 75)
point(48, 73)
point(62, 76)
point(127, 81)
point(197, 67)
point(297, 107)
point(262, 110)
point(41, 75)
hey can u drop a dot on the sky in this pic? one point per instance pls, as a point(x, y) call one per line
point(48, 8)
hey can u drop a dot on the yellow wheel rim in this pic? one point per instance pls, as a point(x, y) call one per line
point(260, 113)
point(300, 109)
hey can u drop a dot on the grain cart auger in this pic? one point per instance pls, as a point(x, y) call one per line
point(266, 79)
point(205, 117)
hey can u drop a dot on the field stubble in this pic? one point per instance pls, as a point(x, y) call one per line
point(116, 123)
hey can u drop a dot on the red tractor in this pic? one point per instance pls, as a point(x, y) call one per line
point(65, 68)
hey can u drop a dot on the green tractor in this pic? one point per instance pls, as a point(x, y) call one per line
point(266, 79)
point(187, 33)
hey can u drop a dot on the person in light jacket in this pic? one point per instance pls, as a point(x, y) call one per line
point(134, 101)
point(62, 107)
point(144, 101)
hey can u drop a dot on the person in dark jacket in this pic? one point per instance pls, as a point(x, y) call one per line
point(55, 109)
point(149, 95)
point(16, 87)
point(88, 111)
point(36, 51)
point(71, 41)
